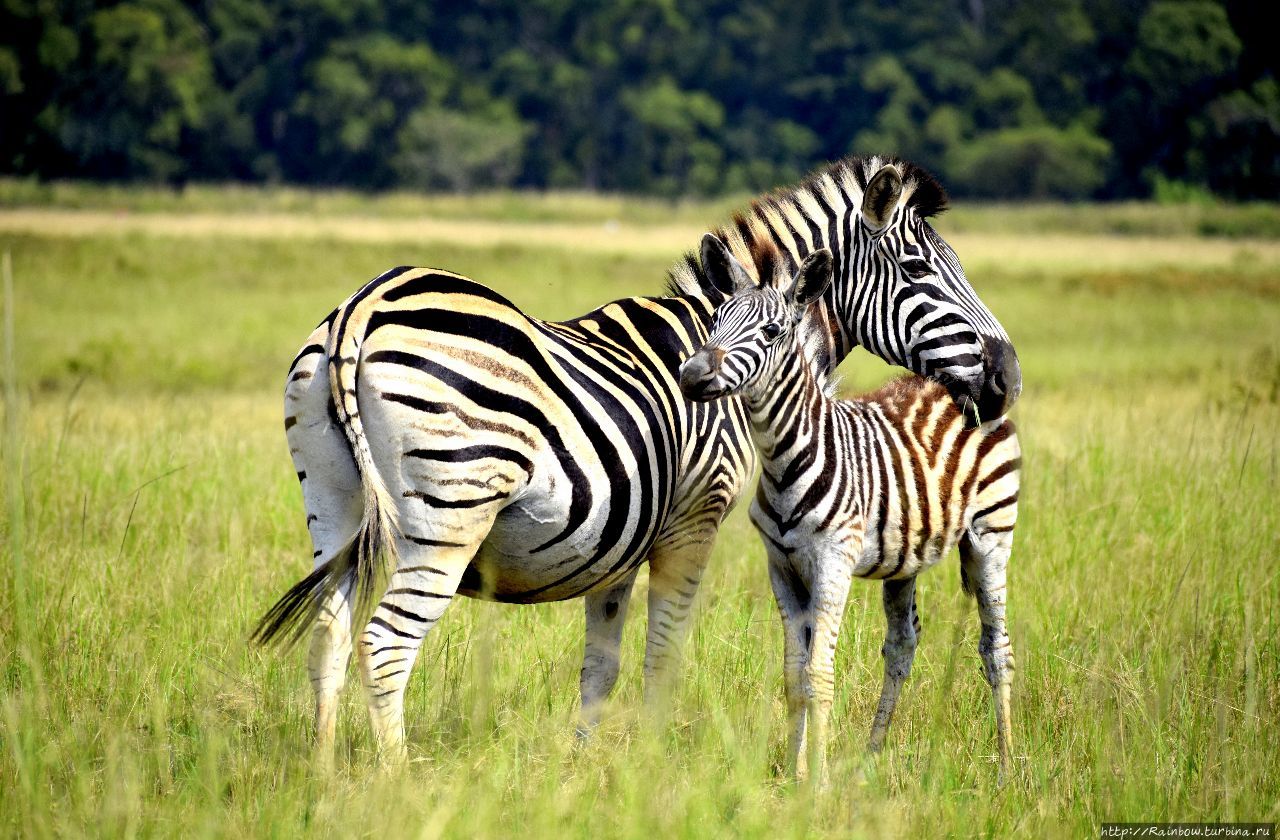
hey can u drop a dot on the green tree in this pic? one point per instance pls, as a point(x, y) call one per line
point(141, 93)
point(660, 96)
point(1183, 45)
point(1184, 56)
point(1032, 162)
point(359, 95)
point(673, 138)
point(443, 149)
point(898, 124)
point(1240, 143)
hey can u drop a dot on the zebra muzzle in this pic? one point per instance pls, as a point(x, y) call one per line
point(1003, 381)
point(699, 373)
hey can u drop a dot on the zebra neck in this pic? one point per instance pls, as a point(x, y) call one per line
point(785, 410)
point(821, 213)
point(835, 328)
point(699, 302)
point(827, 342)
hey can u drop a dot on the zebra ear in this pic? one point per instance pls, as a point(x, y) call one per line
point(881, 197)
point(811, 280)
point(723, 270)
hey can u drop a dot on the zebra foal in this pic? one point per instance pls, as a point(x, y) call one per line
point(878, 487)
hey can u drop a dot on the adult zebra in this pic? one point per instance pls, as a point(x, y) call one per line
point(482, 452)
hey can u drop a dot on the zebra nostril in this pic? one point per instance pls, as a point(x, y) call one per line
point(1003, 378)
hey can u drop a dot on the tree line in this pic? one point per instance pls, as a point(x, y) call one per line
point(1001, 98)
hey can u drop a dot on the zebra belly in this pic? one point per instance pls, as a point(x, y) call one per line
point(886, 555)
point(507, 569)
point(866, 556)
point(872, 550)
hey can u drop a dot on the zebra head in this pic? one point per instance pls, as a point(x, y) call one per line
point(755, 328)
point(900, 291)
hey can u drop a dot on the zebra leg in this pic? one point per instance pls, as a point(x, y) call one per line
point(330, 649)
point(327, 664)
point(332, 495)
point(901, 631)
point(792, 597)
point(417, 595)
point(674, 574)
point(830, 594)
point(984, 558)
point(606, 613)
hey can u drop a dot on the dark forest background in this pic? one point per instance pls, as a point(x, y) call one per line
point(1065, 99)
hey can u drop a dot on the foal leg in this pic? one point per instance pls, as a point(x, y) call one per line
point(899, 650)
point(984, 558)
point(792, 596)
point(830, 594)
point(606, 614)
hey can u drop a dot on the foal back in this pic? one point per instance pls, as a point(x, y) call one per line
point(929, 475)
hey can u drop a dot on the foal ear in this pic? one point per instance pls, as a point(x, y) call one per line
point(880, 197)
point(811, 280)
point(723, 270)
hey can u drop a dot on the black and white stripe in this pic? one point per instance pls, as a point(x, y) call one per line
point(880, 487)
point(899, 289)
point(448, 444)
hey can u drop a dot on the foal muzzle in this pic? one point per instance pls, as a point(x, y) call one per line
point(699, 375)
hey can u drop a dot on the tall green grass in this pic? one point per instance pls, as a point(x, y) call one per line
point(152, 515)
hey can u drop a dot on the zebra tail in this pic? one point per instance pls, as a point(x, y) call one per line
point(287, 621)
point(966, 550)
point(302, 606)
point(367, 560)
point(375, 554)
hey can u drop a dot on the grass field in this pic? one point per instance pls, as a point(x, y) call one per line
point(152, 514)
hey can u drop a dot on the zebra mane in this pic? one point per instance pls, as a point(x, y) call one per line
point(828, 383)
point(921, 191)
point(686, 278)
point(771, 266)
point(832, 185)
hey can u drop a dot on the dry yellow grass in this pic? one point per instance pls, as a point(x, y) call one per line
point(1009, 252)
point(606, 237)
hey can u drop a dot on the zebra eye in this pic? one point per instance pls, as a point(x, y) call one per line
point(771, 332)
point(916, 269)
